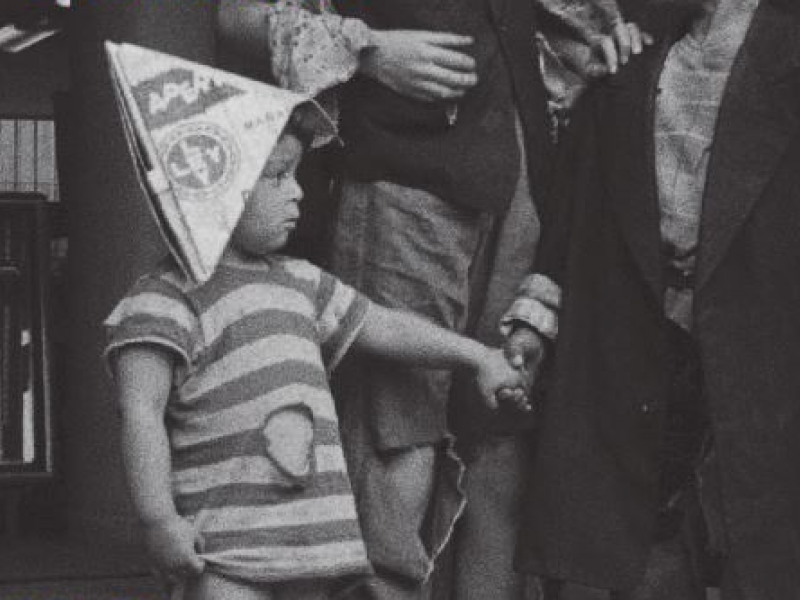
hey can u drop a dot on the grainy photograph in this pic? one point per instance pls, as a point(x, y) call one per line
point(399, 300)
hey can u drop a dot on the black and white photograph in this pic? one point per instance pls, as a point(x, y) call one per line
point(399, 299)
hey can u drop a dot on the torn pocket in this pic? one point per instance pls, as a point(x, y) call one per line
point(288, 434)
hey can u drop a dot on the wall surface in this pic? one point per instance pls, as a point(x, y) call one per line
point(29, 79)
point(112, 240)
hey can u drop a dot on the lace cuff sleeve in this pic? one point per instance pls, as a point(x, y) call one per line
point(312, 49)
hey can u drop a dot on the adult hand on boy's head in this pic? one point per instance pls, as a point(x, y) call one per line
point(423, 65)
point(173, 545)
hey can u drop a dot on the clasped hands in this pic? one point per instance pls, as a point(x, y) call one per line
point(506, 376)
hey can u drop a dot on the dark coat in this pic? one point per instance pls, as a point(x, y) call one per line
point(474, 162)
point(589, 515)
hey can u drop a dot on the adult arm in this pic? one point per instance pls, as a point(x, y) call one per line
point(307, 50)
point(606, 39)
point(312, 51)
point(424, 65)
point(531, 324)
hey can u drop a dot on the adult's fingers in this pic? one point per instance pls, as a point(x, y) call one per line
point(447, 58)
point(442, 38)
point(636, 38)
point(515, 353)
point(490, 398)
point(580, 60)
point(521, 346)
point(454, 80)
point(431, 91)
point(609, 51)
point(515, 399)
point(506, 395)
point(621, 35)
point(521, 401)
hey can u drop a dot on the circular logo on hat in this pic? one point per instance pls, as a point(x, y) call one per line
point(200, 158)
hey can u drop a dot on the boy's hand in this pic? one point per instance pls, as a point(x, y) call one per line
point(423, 65)
point(173, 544)
point(497, 379)
point(515, 399)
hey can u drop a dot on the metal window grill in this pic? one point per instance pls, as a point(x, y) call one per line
point(28, 254)
point(28, 156)
point(25, 429)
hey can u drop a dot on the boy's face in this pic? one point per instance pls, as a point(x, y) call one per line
point(273, 208)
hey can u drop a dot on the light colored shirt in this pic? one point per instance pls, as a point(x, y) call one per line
point(691, 86)
point(690, 91)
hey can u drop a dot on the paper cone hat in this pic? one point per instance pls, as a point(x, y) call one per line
point(200, 138)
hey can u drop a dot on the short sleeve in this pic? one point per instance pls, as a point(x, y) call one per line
point(155, 312)
point(340, 314)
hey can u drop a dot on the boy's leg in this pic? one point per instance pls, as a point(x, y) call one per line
point(209, 586)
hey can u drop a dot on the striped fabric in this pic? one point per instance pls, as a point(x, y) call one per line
point(690, 90)
point(256, 453)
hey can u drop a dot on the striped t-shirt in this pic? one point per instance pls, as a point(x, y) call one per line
point(257, 463)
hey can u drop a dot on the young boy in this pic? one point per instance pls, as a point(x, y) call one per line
point(230, 439)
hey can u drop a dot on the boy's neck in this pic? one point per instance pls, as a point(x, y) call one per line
point(235, 257)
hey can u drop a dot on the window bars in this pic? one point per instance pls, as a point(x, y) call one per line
point(28, 156)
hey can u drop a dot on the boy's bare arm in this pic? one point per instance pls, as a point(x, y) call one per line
point(407, 338)
point(144, 378)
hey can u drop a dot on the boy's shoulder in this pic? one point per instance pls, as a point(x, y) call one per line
point(164, 279)
point(164, 290)
point(166, 272)
point(160, 295)
point(298, 268)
